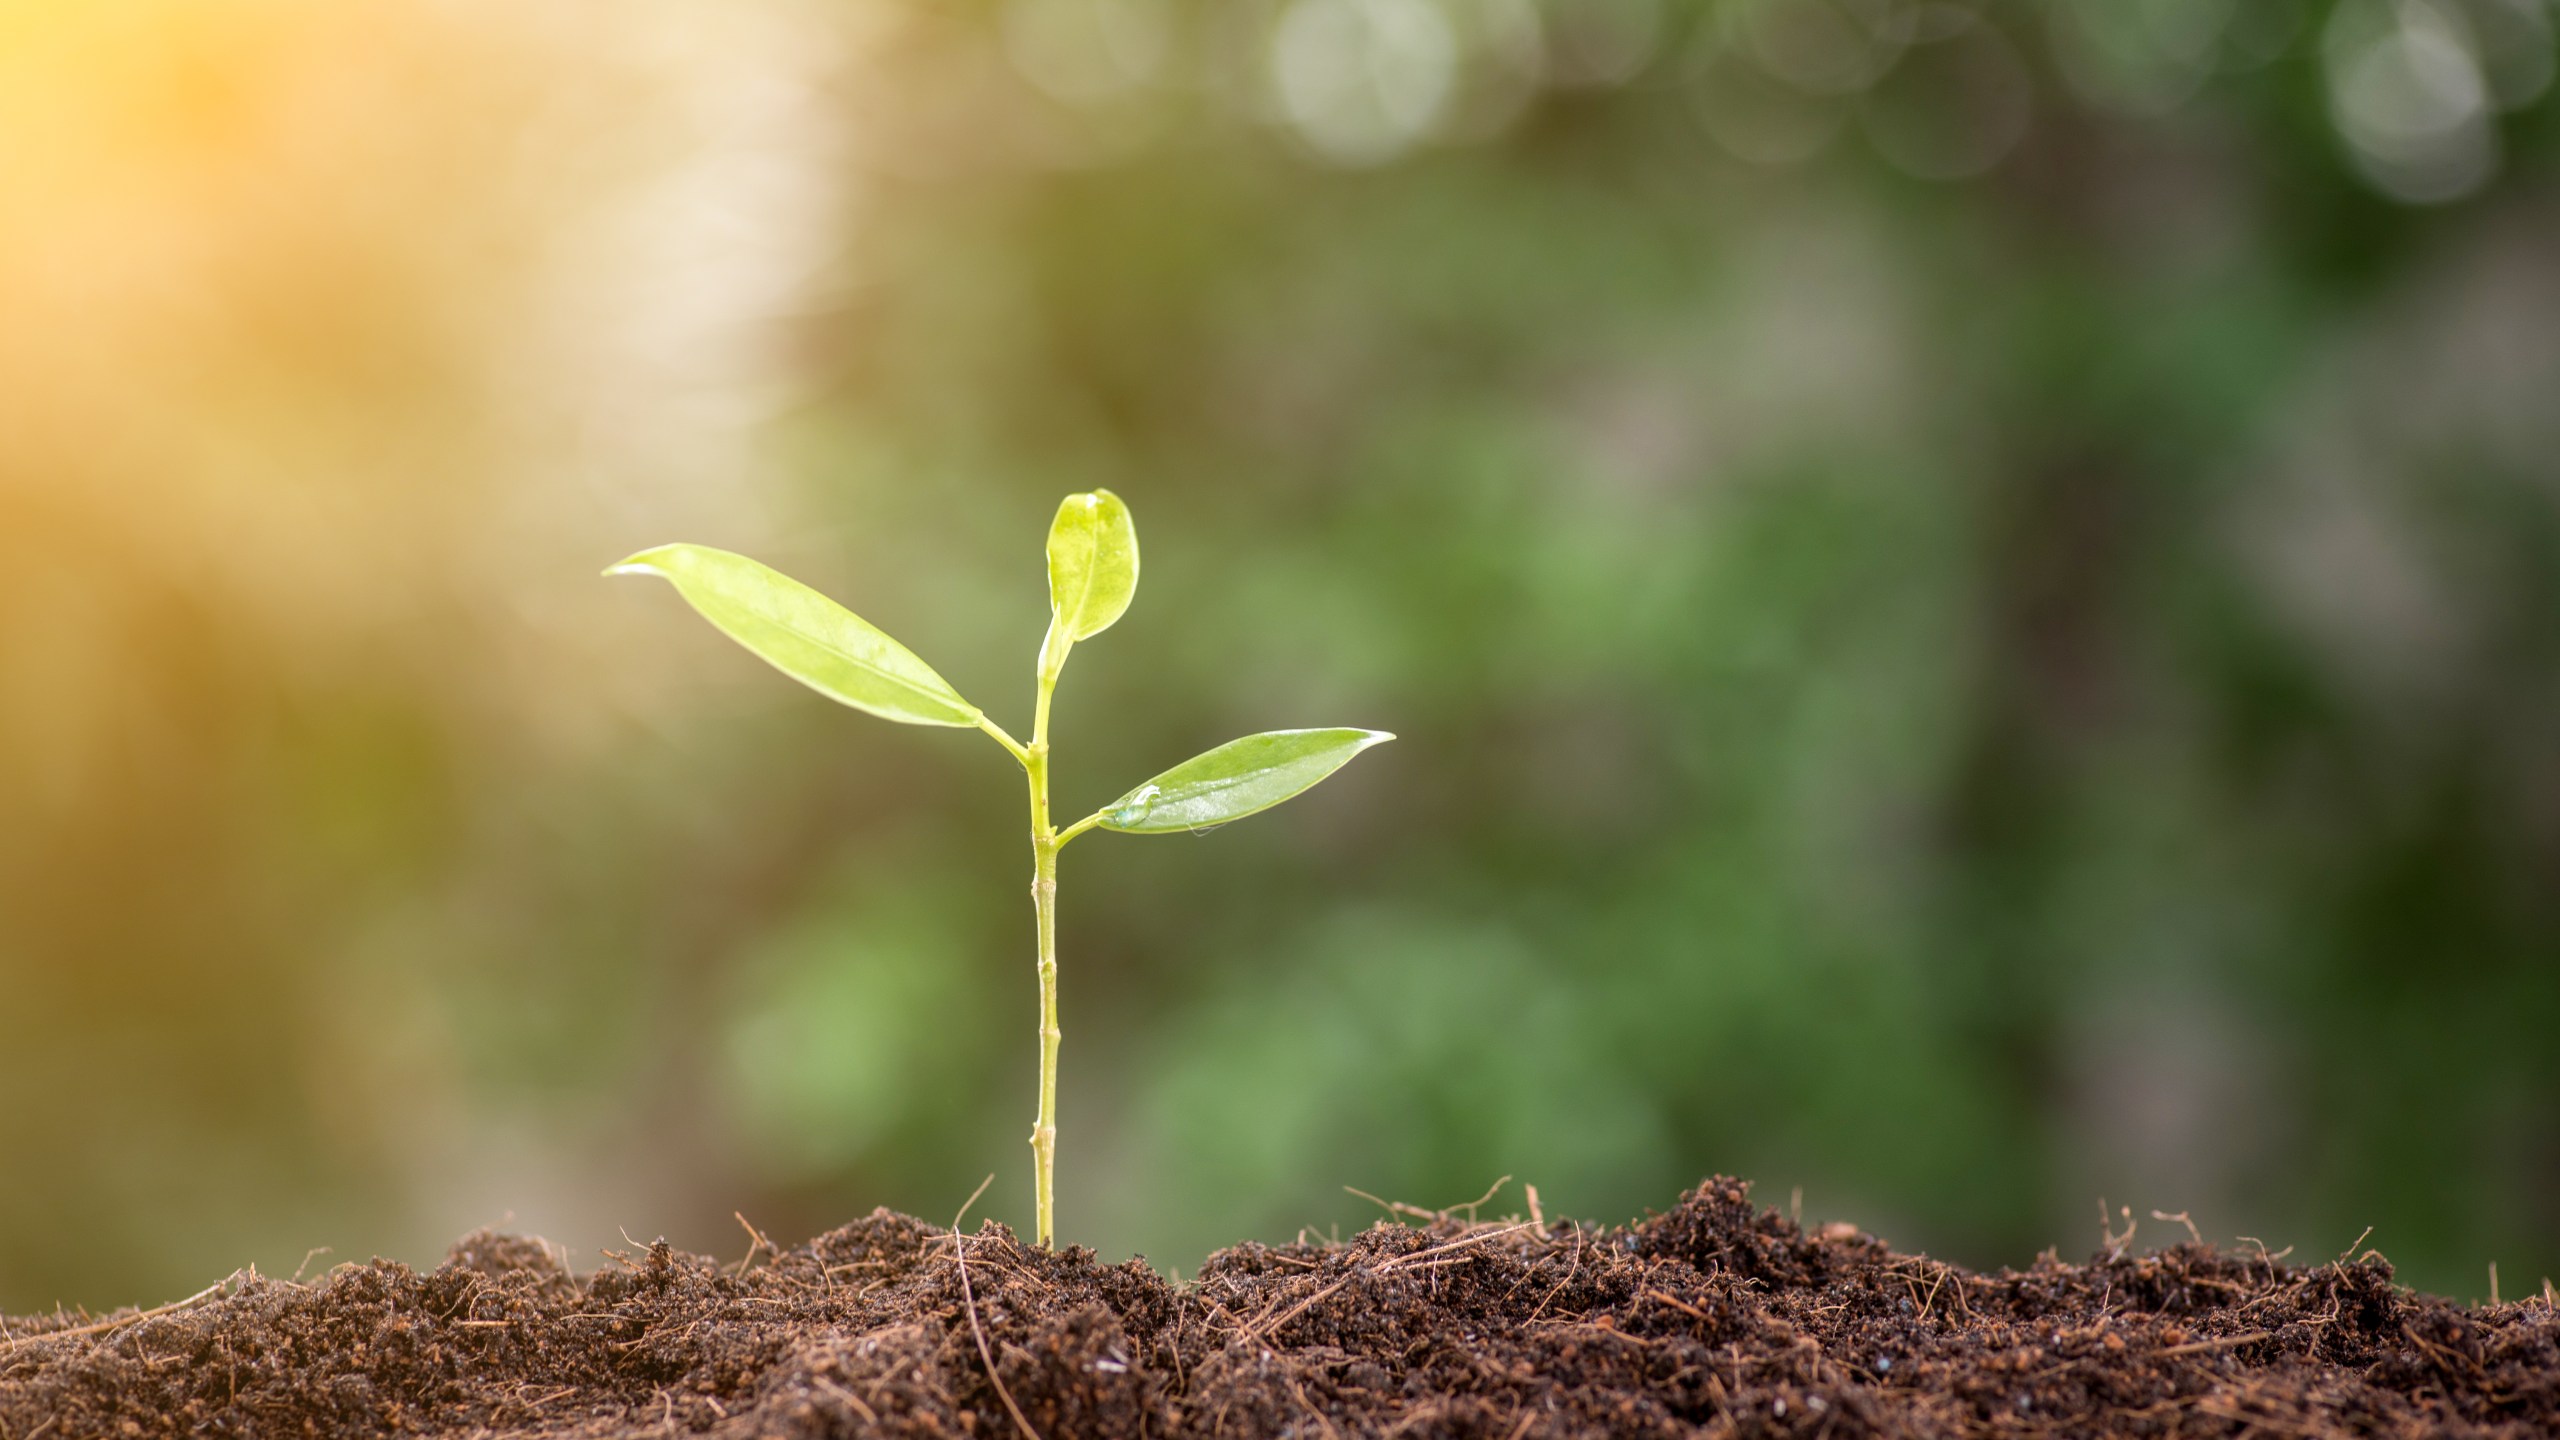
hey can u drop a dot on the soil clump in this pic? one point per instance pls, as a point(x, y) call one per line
point(1714, 1319)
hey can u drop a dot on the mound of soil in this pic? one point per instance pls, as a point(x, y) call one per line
point(1713, 1319)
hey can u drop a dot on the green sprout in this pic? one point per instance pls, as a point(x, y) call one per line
point(1093, 570)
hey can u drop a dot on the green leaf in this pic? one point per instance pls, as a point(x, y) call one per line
point(1236, 779)
point(805, 635)
point(1093, 563)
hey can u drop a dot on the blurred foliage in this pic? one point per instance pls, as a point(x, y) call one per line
point(1970, 593)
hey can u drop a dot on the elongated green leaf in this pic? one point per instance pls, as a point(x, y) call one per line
point(1093, 563)
point(1236, 779)
point(805, 635)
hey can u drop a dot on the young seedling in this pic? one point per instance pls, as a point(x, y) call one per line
point(1093, 570)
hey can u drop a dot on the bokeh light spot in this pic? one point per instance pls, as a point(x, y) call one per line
point(1362, 80)
point(2408, 95)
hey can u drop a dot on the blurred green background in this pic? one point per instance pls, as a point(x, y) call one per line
point(1972, 594)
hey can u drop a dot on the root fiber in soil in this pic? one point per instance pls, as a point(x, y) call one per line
point(1714, 1319)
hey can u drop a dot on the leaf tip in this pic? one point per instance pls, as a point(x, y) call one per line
point(644, 562)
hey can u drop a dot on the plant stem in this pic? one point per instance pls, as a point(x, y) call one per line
point(1044, 901)
point(1011, 746)
point(1044, 1133)
point(1080, 827)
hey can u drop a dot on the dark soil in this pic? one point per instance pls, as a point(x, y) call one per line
point(1714, 1319)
